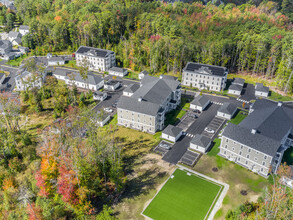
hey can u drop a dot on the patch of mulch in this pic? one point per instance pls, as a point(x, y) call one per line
point(215, 169)
point(243, 192)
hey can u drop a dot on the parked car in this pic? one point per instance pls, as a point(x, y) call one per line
point(209, 130)
point(165, 146)
point(196, 111)
point(108, 110)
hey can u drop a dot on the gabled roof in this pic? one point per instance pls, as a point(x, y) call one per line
point(153, 92)
point(14, 34)
point(131, 88)
point(256, 141)
point(18, 40)
point(91, 51)
point(228, 108)
point(201, 140)
point(111, 82)
point(172, 131)
point(144, 72)
point(134, 105)
point(117, 69)
point(99, 93)
point(236, 87)
point(205, 69)
point(24, 27)
point(5, 43)
point(200, 100)
point(91, 78)
point(259, 87)
point(238, 81)
point(56, 59)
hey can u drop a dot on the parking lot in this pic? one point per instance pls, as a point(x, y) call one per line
point(189, 158)
point(186, 121)
point(162, 147)
point(214, 125)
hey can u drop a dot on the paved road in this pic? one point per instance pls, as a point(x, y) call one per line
point(197, 127)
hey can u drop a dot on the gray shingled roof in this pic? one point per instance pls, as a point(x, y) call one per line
point(56, 59)
point(256, 141)
point(131, 88)
point(205, 69)
point(4, 43)
point(14, 34)
point(18, 40)
point(111, 82)
point(259, 87)
point(24, 27)
point(153, 92)
point(236, 87)
point(238, 81)
point(117, 69)
point(200, 100)
point(1, 75)
point(227, 108)
point(134, 105)
point(172, 130)
point(201, 140)
point(269, 119)
point(91, 78)
point(144, 72)
point(96, 52)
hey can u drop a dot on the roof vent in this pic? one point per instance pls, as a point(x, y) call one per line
point(253, 131)
point(140, 99)
point(280, 104)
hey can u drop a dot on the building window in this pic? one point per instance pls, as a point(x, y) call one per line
point(227, 140)
point(233, 148)
point(265, 157)
point(249, 150)
point(234, 142)
point(263, 163)
point(241, 147)
point(240, 153)
point(255, 158)
point(246, 162)
point(261, 169)
point(226, 146)
point(247, 156)
point(224, 152)
point(238, 159)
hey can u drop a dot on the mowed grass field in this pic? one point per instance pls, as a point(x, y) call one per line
point(184, 197)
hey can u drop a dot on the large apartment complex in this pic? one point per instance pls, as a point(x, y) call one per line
point(144, 107)
point(97, 59)
point(203, 76)
point(259, 141)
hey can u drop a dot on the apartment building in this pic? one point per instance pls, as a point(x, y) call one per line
point(97, 59)
point(26, 80)
point(145, 107)
point(259, 141)
point(203, 76)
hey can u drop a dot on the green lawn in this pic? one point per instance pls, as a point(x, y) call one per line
point(17, 61)
point(215, 150)
point(70, 63)
point(278, 97)
point(132, 75)
point(173, 116)
point(183, 197)
point(239, 117)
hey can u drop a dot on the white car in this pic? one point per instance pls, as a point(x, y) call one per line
point(108, 110)
point(209, 130)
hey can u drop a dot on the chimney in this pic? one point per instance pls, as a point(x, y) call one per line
point(253, 131)
point(280, 104)
point(140, 99)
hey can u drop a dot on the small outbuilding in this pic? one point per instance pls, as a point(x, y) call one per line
point(103, 118)
point(142, 74)
point(235, 89)
point(227, 111)
point(238, 81)
point(130, 89)
point(200, 143)
point(200, 102)
point(117, 71)
point(261, 90)
point(55, 61)
point(172, 133)
point(112, 85)
point(100, 96)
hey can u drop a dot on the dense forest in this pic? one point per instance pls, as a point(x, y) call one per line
point(251, 37)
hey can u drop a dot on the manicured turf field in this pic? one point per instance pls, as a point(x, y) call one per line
point(184, 197)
